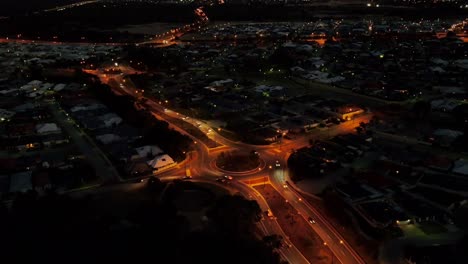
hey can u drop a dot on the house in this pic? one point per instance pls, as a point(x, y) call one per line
point(24, 143)
point(138, 168)
point(54, 139)
point(148, 151)
point(91, 123)
point(21, 182)
point(445, 137)
point(439, 163)
point(348, 112)
point(108, 138)
point(161, 161)
point(110, 119)
point(265, 89)
point(460, 167)
point(59, 87)
point(6, 115)
point(47, 128)
point(87, 107)
point(444, 105)
point(220, 86)
point(267, 134)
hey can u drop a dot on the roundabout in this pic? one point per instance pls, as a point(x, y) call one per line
point(238, 163)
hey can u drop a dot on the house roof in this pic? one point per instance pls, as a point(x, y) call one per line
point(108, 138)
point(47, 128)
point(161, 161)
point(461, 167)
point(153, 150)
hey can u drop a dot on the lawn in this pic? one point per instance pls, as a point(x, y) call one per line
point(431, 228)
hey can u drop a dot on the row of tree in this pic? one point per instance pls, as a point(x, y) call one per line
point(56, 228)
point(154, 131)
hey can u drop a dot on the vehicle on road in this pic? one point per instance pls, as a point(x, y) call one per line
point(223, 180)
point(336, 121)
point(137, 180)
point(286, 244)
point(277, 164)
point(269, 213)
point(188, 174)
point(312, 221)
point(227, 177)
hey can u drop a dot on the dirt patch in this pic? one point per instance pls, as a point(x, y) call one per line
point(296, 227)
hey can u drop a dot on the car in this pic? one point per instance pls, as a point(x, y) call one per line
point(277, 164)
point(228, 177)
point(336, 121)
point(269, 213)
point(286, 244)
point(285, 185)
point(223, 180)
point(312, 221)
point(187, 177)
point(137, 180)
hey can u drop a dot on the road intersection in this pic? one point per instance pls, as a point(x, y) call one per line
point(275, 159)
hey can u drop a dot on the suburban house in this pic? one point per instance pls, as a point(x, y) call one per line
point(161, 161)
point(47, 128)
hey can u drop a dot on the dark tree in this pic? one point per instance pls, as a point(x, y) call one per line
point(235, 215)
point(273, 241)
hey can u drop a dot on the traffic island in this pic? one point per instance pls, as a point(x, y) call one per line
point(238, 162)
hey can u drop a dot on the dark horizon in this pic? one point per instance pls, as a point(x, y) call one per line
point(234, 131)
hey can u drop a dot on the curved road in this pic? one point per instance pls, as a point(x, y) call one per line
point(274, 154)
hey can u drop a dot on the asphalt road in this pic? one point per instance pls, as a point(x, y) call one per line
point(104, 168)
point(272, 155)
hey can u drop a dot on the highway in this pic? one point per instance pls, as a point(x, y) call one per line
point(69, 6)
point(163, 39)
point(278, 153)
point(271, 226)
point(331, 237)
